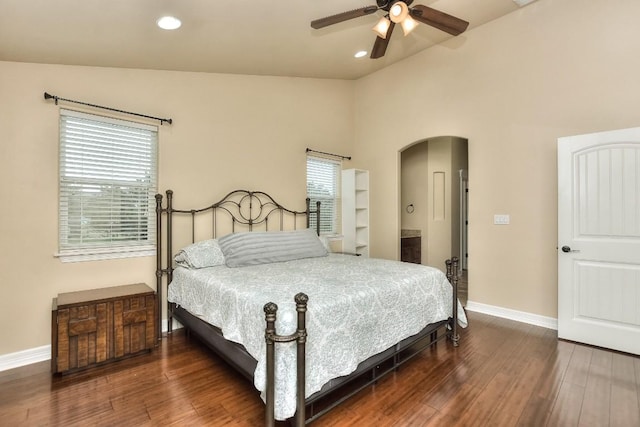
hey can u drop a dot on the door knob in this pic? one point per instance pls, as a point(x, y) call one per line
point(566, 249)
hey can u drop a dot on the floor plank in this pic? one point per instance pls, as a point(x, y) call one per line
point(625, 409)
point(567, 407)
point(538, 408)
point(596, 406)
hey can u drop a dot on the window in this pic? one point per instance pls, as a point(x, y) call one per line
point(323, 184)
point(108, 174)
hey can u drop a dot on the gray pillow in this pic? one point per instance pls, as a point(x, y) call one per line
point(205, 253)
point(263, 247)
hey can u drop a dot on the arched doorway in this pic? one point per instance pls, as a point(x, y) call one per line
point(434, 201)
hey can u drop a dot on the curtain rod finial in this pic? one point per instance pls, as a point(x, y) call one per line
point(49, 96)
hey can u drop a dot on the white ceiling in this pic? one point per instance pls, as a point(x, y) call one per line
point(262, 37)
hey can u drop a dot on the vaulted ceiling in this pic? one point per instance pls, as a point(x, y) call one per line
point(261, 37)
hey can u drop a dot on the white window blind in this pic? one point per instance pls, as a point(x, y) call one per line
point(108, 175)
point(323, 184)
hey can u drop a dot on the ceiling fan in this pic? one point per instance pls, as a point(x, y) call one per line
point(397, 12)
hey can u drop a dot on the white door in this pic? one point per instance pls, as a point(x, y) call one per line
point(599, 239)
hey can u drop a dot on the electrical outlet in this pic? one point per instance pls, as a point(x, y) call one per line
point(502, 219)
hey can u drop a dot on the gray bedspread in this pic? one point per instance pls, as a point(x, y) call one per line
point(357, 307)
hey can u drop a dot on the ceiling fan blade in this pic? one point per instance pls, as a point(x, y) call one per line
point(380, 46)
point(341, 17)
point(440, 20)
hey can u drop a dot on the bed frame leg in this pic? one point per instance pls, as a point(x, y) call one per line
point(170, 318)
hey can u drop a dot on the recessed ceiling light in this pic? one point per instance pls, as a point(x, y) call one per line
point(523, 2)
point(360, 54)
point(169, 23)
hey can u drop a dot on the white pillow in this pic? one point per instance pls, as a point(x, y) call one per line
point(206, 253)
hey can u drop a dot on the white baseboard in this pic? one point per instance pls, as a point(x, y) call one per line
point(25, 357)
point(518, 316)
point(41, 354)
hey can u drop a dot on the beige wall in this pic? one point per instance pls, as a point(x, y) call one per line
point(512, 87)
point(229, 132)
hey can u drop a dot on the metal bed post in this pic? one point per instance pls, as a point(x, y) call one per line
point(169, 257)
point(159, 265)
point(455, 338)
point(452, 276)
point(301, 333)
point(317, 212)
point(318, 217)
point(300, 336)
point(270, 310)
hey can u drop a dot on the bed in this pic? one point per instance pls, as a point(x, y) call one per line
point(352, 320)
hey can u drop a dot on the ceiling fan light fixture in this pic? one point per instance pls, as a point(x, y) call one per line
point(408, 25)
point(382, 27)
point(398, 12)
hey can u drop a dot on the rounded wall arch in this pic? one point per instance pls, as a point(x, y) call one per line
point(433, 197)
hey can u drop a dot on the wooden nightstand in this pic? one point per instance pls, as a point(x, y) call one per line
point(101, 325)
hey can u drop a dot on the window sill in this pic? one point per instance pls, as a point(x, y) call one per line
point(332, 236)
point(104, 254)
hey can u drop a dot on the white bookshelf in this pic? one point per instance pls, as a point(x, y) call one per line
point(355, 211)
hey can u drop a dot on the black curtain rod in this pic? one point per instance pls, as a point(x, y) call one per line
point(309, 150)
point(57, 98)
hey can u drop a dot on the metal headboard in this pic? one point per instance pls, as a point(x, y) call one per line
point(240, 209)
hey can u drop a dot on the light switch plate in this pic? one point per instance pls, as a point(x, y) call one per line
point(501, 219)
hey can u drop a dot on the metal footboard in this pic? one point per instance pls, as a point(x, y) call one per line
point(300, 336)
point(271, 337)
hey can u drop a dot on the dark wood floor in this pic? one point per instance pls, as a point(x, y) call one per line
point(504, 374)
